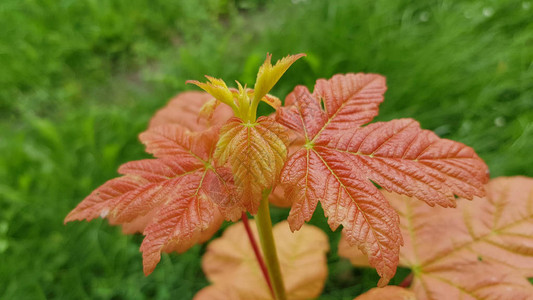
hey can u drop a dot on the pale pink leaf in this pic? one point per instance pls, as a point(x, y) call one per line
point(230, 264)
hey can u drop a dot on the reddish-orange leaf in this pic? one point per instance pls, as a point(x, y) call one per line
point(483, 249)
point(256, 153)
point(387, 293)
point(339, 157)
point(176, 200)
point(230, 264)
point(184, 110)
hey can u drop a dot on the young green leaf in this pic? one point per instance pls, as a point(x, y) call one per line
point(339, 157)
point(269, 75)
point(244, 101)
point(230, 264)
point(177, 200)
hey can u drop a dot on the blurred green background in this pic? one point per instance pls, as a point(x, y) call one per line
point(80, 79)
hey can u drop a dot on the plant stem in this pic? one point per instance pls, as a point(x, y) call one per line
point(257, 253)
point(264, 227)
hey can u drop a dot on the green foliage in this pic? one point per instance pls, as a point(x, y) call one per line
point(80, 79)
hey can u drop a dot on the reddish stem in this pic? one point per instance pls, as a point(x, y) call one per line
point(407, 281)
point(257, 253)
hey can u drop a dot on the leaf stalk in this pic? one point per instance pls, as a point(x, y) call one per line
point(266, 238)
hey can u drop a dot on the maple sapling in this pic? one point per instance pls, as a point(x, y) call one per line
point(215, 160)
